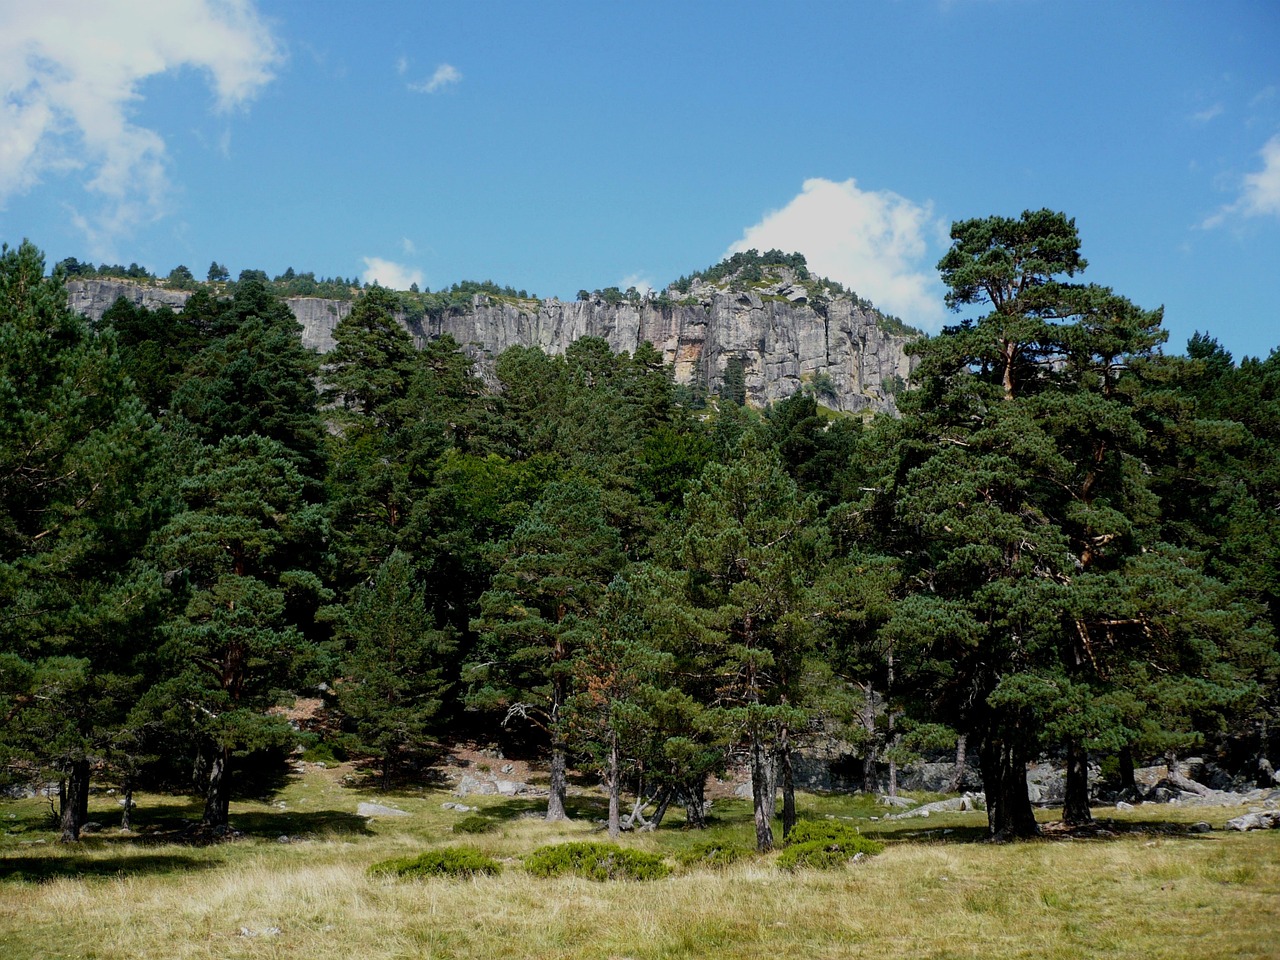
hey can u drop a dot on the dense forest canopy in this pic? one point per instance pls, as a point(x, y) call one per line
point(1068, 544)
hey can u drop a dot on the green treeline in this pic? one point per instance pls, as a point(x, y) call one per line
point(1068, 544)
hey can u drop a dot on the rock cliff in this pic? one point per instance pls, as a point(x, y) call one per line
point(785, 336)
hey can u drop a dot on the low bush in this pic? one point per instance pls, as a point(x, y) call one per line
point(473, 824)
point(830, 831)
point(824, 845)
point(595, 861)
point(714, 853)
point(447, 862)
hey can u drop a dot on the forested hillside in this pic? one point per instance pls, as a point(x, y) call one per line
point(1067, 544)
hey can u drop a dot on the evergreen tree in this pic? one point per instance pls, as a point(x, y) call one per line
point(75, 450)
point(748, 546)
point(1017, 486)
point(254, 377)
point(244, 548)
point(540, 611)
point(392, 675)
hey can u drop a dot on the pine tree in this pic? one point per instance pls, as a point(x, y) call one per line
point(748, 548)
point(1018, 489)
point(244, 548)
point(75, 449)
point(540, 611)
point(393, 673)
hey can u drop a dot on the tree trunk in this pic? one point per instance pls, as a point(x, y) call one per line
point(1265, 770)
point(556, 794)
point(126, 815)
point(761, 786)
point(217, 798)
point(663, 801)
point(615, 824)
point(75, 801)
point(1075, 806)
point(694, 810)
point(890, 740)
point(1004, 777)
point(770, 786)
point(957, 778)
point(1128, 778)
point(788, 783)
point(555, 799)
point(870, 774)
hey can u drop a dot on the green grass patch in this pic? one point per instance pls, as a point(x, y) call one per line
point(473, 824)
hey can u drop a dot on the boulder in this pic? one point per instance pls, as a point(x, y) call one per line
point(474, 785)
point(1263, 820)
point(378, 810)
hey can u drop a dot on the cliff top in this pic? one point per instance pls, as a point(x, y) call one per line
point(772, 276)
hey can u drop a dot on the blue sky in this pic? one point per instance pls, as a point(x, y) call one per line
point(559, 145)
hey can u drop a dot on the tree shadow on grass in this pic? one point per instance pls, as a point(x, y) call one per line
point(277, 823)
point(79, 866)
point(1052, 831)
point(532, 808)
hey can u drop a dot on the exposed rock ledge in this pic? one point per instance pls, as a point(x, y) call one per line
point(784, 343)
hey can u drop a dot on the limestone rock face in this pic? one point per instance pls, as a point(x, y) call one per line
point(838, 349)
point(92, 298)
point(834, 346)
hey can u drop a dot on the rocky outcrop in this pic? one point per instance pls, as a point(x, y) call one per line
point(784, 343)
point(92, 298)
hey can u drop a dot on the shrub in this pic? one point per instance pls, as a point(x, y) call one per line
point(595, 861)
point(473, 824)
point(448, 862)
point(712, 853)
point(824, 845)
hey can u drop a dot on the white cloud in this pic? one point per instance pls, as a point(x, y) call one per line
point(71, 71)
point(408, 246)
point(640, 281)
point(1261, 196)
point(876, 242)
point(444, 76)
point(389, 274)
point(1259, 192)
point(1207, 114)
point(402, 66)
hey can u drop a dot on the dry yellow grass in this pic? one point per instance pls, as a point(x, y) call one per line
point(1149, 897)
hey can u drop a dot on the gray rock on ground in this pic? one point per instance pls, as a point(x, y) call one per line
point(1262, 820)
point(379, 810)
point(969, 801)
point(902, 802)
point(470, 785)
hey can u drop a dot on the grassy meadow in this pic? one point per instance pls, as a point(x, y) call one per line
point(296, 885)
